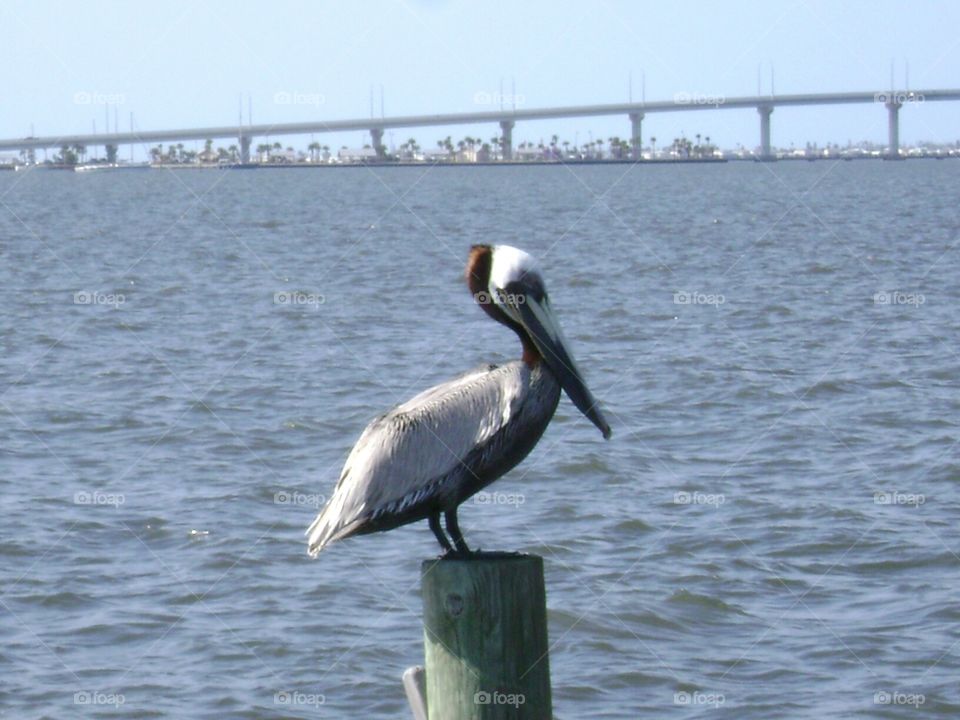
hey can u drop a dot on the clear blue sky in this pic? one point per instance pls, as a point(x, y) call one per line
point(186, 63)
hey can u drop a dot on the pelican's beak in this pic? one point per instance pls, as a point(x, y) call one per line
point(530, 306)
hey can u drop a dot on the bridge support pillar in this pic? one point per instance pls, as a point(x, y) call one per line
point(111, 153)
point(765, 112)
point(245, 149)
point(506, 139)
point(636, 139)
point(893, 130)
point(376, 135)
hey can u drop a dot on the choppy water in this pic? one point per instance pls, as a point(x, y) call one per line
point(771, 532)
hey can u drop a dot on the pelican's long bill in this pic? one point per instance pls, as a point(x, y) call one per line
point(526, 302)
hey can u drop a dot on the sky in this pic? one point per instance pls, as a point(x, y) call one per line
point(69, 65)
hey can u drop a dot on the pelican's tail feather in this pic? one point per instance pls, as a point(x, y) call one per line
point(329, 526)
point(319, 535)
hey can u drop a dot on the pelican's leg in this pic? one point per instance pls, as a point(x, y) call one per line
point(453, 528)
point(438, 532)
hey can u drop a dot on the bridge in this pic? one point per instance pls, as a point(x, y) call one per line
point(892, 100)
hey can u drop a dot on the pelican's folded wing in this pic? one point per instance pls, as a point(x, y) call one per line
point(405, 458)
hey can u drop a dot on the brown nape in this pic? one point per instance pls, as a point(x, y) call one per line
point(531, 356)
point(478, 268)
point(479, 265)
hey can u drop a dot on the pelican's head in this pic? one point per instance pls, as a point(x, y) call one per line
point(507, 284)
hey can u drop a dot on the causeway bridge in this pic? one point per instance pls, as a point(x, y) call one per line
point(891, 100)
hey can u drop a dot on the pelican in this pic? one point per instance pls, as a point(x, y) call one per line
point(425, 457)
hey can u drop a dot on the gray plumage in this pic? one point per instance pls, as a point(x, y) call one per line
point(437, 449)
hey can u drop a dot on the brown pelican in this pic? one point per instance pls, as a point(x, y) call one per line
point(431, 453)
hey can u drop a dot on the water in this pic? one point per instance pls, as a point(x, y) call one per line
point(771, 532)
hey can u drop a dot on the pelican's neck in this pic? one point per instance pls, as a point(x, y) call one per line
point(531, 356)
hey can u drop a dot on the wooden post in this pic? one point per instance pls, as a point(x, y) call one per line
point(485, 638)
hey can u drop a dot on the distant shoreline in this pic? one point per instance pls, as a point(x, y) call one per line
point(572, 163)
point(495, 163)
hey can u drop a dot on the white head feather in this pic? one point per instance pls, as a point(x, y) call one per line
point(509, 264)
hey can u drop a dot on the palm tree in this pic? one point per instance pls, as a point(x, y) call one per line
point(233, 153)
point(67, 156)
point(614, 147)
point(653, 146)
point(180, 151)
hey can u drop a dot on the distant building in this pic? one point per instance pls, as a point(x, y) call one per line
point(283, 156)
point(435, 155)
point(528, 153)
point(357, 155)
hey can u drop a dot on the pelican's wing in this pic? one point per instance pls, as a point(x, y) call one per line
point(401, 458)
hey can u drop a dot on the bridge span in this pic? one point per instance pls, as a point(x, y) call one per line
point(892, 100)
